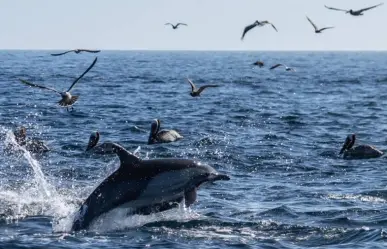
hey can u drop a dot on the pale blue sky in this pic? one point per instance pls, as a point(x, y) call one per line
point(213, 25)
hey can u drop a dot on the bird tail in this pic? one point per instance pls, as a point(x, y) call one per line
point(72, 101)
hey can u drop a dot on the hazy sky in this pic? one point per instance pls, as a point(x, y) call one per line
point(213, 25)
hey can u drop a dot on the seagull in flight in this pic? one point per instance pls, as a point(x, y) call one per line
point(354, 12)
point(177, 25)
point(316, 30)
point(67, 99)
point(195, 92)
point(77, 51)
point(255, 24)
point(286, 67)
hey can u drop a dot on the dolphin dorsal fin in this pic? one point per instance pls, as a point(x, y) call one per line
point(127, 159)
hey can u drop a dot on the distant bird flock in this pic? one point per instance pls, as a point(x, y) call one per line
point(145, 172)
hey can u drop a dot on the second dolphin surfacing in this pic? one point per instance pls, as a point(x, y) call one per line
point(145, 186)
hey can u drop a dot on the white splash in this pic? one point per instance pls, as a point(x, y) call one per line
point(37, 197)
point(117, 219)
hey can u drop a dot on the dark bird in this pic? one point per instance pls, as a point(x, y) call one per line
point(255, 24)
point(259, 64)
point(163, 136)
point(77, 51)
point(354, 12)
point(316, 30)
point(286, 67)
point(177, 25)
point(195, 91)
point(30, 144)
point(358, 152)
point(67, 99)
point(93, 146)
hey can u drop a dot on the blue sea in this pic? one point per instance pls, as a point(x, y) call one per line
point(277, 134)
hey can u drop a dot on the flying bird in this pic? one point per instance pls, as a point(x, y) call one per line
point(255, 24)
point(316, 30)
point(354, 12)
point(177, 25)
point(77, 51)
point(195, 92)
point(67, 99)
point(286, 67)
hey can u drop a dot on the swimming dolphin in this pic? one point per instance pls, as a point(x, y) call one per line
point(145, 186)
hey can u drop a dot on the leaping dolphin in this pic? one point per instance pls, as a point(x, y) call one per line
point(145, 186)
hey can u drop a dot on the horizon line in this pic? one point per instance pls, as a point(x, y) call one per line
point(198, 50)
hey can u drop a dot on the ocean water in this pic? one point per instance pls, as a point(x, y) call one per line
point(276, 133)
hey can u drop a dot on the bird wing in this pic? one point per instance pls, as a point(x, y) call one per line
point(180, 23)
point(90, 51)
point(87, 70)
point(63, 53)
point(247, 28)
point(326, 28)
point(193, 87)
point(314, 25)
point(205, 86)
point(275, 66)
point(274, 27)
point(365, 9)
point(168, 23)
point(38, 86)
point(331, 8)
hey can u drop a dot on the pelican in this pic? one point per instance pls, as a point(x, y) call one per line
point(95, 148)
point(354, 12)
point(195, 92)
point(316, 30)
point(177, 25)
point(31, 145)
point(255, 24)
point(259, 64)
point(77, 51)
point(163, 136)
point(67, 99)
point(358, 152)
point(286, 67)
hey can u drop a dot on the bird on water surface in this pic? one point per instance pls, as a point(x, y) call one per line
point(30, 144)
point(359, 152)
point(259, 63)
point(67, 99)
point(163, 136)
point(93, 146)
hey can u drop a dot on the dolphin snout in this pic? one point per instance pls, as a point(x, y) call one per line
point(218, 177)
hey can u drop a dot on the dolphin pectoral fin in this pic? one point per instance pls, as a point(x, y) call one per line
point(190, 197)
